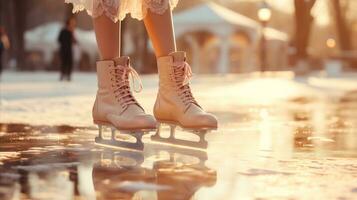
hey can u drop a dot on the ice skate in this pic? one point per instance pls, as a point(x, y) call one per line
point(115, 108)
point(175, 105)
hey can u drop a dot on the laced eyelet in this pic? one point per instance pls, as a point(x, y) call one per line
point(121, 86)
point(180, 76)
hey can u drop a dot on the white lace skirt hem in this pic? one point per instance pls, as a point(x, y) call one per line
point(118, 9)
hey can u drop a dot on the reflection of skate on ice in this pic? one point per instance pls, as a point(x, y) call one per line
point(172, 177)
point(115, 106)
point(175, 104)
point(185, 179)
point(121, 182)
point(176, 154)
point(121, 158)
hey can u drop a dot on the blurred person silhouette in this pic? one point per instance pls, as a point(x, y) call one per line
point(66, 40)
point(4, 45)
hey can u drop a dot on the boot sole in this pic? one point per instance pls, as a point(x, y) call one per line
point(144, 129)
point(189, 128)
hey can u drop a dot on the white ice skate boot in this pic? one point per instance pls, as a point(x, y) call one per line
point(175, 104)
point(116, 107)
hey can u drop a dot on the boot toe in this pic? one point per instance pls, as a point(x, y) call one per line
point(211, 121)
point(145, 121)
point(206, 121)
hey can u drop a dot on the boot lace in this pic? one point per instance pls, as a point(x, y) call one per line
point(182, 75)
point(121, 85)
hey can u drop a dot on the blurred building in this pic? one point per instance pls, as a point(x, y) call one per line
point(224, 41)
point(220, 40)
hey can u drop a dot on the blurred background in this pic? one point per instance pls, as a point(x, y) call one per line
point(287, 133)
point(220, 36)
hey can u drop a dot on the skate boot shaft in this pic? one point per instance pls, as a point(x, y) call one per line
point(175, 103)
point(115, 104)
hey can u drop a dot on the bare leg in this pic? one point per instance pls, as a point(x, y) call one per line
point(161, 32)
point(108, 37)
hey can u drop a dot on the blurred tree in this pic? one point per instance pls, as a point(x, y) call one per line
point(6, 21)
point(140, 43)
point(68, 11)
point(19, 12)
point(303, 22)
point(15, 25)
point(343, 31)
point(123, 27)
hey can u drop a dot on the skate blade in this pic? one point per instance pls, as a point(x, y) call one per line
point(113, 142)
point(202, 144)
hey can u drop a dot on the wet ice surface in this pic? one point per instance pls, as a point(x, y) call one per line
point(278, 139)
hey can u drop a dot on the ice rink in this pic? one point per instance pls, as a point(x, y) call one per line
point(279, 137)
